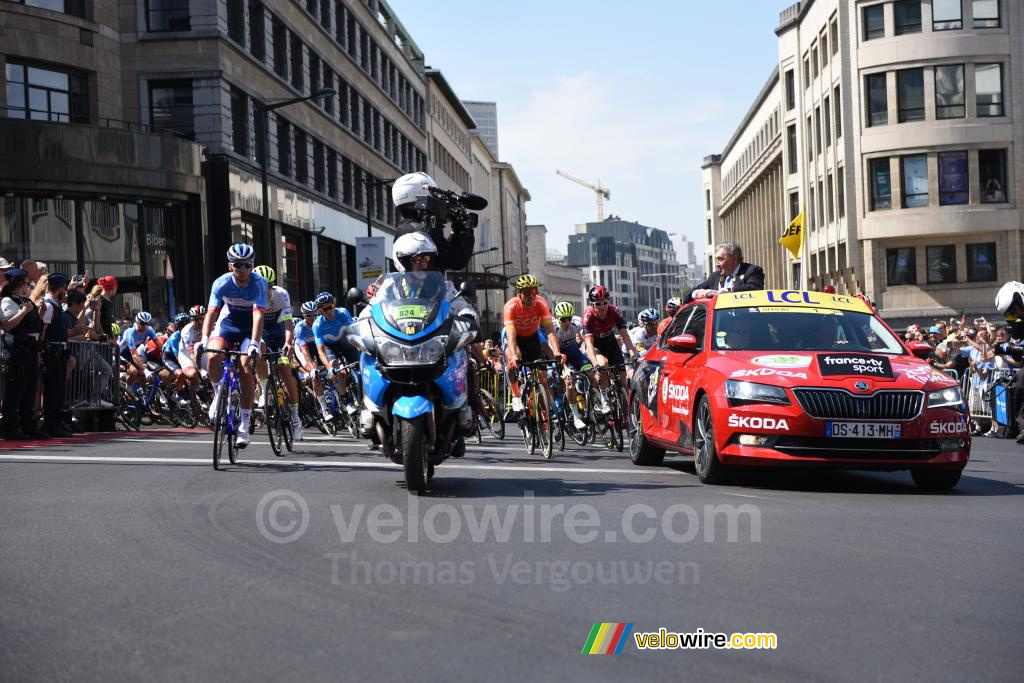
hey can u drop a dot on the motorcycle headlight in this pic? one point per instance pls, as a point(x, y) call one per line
point(742, 393)
point(396, 353)
point(946, 398)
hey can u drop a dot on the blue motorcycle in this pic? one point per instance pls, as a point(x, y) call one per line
point(413, 366)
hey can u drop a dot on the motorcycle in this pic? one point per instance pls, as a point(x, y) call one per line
point(413, 364)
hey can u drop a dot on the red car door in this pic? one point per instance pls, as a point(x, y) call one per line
point(679, 379)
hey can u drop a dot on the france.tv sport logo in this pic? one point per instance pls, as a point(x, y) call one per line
point(607, 639)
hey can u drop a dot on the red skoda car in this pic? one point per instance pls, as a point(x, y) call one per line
point(781, 377)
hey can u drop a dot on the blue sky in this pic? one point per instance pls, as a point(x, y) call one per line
point(635, 94)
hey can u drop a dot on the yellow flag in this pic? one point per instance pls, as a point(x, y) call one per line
point(793, 237)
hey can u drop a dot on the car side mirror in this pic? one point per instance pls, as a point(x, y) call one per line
point(920, 349)
point(682, 342)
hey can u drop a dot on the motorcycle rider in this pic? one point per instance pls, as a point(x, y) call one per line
point(1010, 304)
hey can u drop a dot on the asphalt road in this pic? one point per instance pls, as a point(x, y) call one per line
point(130, 558)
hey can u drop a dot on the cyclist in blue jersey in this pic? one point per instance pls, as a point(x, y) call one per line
point(306, 353)
point(278, 336)
point(172, 350)
point(235, 315)
point(131, 339)
point(329, 333)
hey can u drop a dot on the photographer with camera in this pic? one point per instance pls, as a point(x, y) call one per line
point(424, 207)
point(1010, 304)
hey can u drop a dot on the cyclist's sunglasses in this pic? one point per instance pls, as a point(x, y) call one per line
point(327, 307)
point(600, 303)
point(568, 317)
point(242, 265)
point(529, 291)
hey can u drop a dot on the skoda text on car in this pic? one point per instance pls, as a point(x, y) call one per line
point(790, 377)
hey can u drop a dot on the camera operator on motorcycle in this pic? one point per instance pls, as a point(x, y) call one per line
point(1010, 304)
point(425, 208)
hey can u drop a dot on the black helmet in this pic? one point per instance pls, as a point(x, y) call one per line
point(354, 296)
point(468, 288)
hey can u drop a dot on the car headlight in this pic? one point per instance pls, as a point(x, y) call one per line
point(742, 393)
point(946, 398)
point(424, 353)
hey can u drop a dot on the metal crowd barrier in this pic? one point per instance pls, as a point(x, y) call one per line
point(980, 391)
point(95, 377)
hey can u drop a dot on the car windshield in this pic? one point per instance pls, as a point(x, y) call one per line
point(778, 328)
point(422, 288)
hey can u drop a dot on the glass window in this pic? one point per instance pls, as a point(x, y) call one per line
point(45, 94)
point(239, 121)
point(807, 73)
point(814, 62)
point(298, 79)
point(817, 129)
point(953, 178)
point(941, 264)
point(284, 147)
point(878, 100)
point(72, 7)
point(907, 16)
point(794, 207)
point(110, 243)
point(821, 202)
point(791, 147)
point(946, 15)
point(915, 180)
point(874, 22)
point(949, 92)
point(319, 166)
point(988, 80)
point(790, 90)
point(170, 107)
point(167, 15)
point(834, 31)
point(809, 218)
point(830, 203)
point(696, 324)
point(841, 191)
point(992, 169)
point(910, 95)
point(981, 262)
point(280, 48)
point(332, 173)
point(824, 51)
point(826, 119)
point(301, 156)
point(881, 184)
point(236, 21)
point(39, 228)
point(839, 112)
point(257, 29)
point(901, 266)
point(986, 13)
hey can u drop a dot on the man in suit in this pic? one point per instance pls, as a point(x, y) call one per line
point(733, 274)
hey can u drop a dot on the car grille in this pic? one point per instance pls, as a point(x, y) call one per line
point(837, 404)
point(857, 449)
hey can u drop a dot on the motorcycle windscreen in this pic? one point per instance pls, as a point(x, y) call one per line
point(410, 304)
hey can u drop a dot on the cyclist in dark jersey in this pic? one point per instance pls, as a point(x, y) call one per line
point(603, 328)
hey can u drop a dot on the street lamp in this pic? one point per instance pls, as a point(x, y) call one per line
point(263, 108)
point(477, 253)
point(372, 183)
point(486, 297)
point(497, 265)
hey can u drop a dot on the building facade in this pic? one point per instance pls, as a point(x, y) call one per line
point(559, 282)
point(486, 116)
point(86, 187)
point(899, 135)
point(449, 128)
point(637, 264)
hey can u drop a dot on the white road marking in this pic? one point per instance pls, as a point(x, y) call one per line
point(10, 457)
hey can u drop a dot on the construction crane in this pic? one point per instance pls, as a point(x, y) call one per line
point(602, 193)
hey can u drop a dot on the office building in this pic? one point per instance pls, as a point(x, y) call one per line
point(486, 116)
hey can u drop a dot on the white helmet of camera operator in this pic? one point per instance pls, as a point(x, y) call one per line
point(410, 186)
point(1009, 294)
point(411, 244)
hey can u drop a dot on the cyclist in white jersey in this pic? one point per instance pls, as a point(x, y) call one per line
point(645, 335)
point(278, 335)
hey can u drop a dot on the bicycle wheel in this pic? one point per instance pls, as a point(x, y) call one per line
point(273, 414)
point(220, 427)
point(619, 418)
point(286, 418)
point(545, 423)
point(559, 428)
point(492, 417)
point(234, 422)
point(526, 424)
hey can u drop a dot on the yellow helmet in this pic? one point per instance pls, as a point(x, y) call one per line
point(267, 273)
point(526, 281)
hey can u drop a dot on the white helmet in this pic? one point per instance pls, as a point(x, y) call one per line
point(1009, 294)
point(410, 186)
point(410, 244)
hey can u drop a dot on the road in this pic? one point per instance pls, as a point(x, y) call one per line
point(129, 557)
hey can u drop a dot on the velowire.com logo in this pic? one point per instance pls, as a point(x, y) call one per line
point(607, 639)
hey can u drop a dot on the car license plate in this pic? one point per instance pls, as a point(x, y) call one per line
point(862, 430)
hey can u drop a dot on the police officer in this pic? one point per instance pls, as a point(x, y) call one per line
point(22, 325)
point(55, 355)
